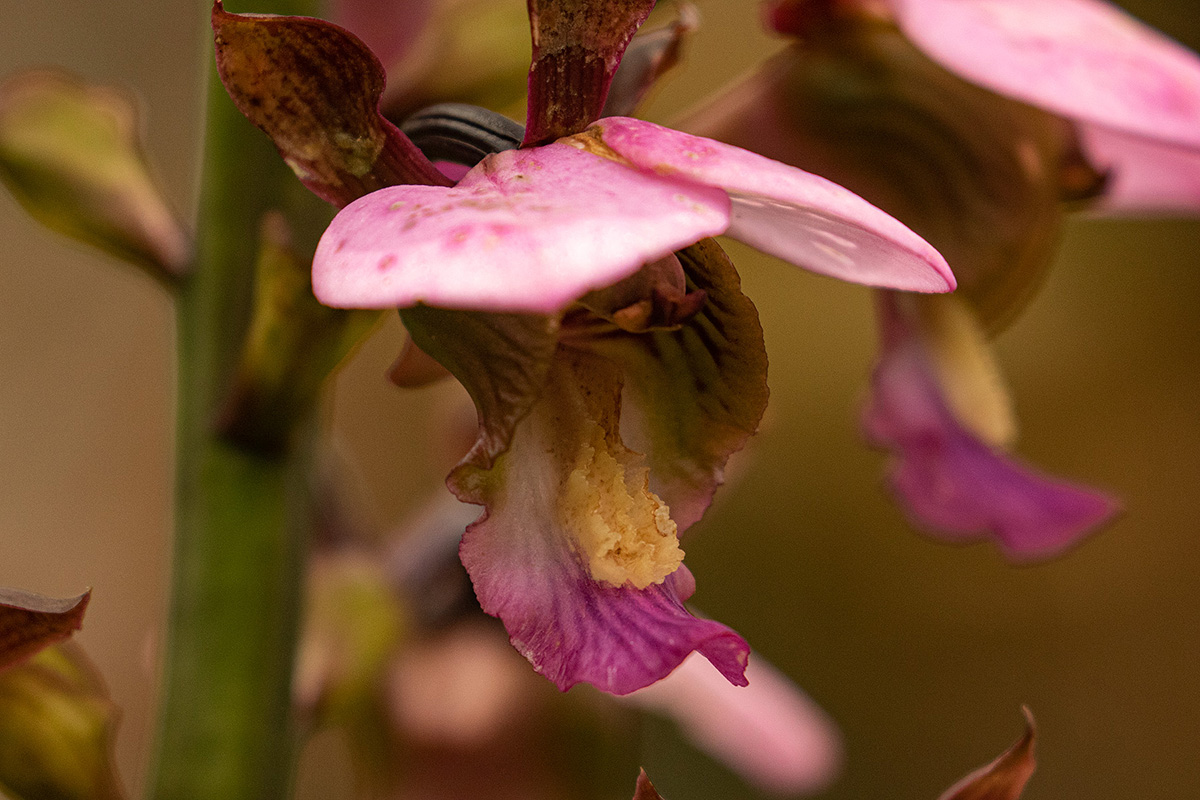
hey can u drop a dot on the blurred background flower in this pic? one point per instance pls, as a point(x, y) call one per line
point(921, 652)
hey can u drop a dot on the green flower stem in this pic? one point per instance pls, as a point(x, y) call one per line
point(225, 727)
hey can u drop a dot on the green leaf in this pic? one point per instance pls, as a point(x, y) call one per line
point(314, 88)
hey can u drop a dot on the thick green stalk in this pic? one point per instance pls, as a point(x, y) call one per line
point(225, 726)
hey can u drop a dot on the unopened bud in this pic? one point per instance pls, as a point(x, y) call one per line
point(70, 155)
point(56, 730)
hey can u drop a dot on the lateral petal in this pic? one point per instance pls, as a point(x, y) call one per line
point(784, 211)
point(525, 231)
point(695, 394)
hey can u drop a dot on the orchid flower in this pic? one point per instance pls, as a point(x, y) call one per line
point(571, 287)
point(984, 177)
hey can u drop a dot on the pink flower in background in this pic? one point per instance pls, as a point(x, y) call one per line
point(949, 464)
point(983, 177)
point(1133, 92)
point(770, 732)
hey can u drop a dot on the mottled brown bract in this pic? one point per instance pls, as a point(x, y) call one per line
point(577, 47)
point(29, 622)
point(1004, 778)
point(314, 88)
point(645, 789)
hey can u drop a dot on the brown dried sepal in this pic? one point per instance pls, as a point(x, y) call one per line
point(577, 47)
point(645, 789)
point(30, 622)
point(314, 88)
point(1004, 778)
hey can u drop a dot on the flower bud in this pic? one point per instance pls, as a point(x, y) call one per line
point(70, 155)
point(56, 729)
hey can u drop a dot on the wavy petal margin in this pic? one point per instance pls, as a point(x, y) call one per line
point(786, 212)
point(502, 360)
point(527, 561)
point(1084, 59)
point(951, 482)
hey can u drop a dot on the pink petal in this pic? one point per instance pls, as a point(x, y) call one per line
point(1084, 59)
point(950, 481)
point(526, 230)
point(564, 477)
point(769, 732)
point(1144, 175)
point(573, 629)
point(787, 212)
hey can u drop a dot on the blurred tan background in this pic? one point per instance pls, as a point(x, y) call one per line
point(922, 652)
